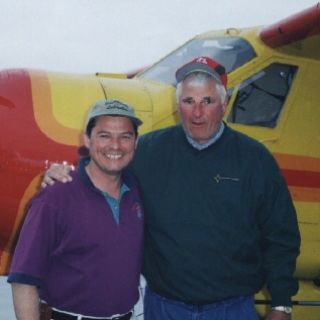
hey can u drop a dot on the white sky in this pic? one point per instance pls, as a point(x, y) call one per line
point(118, 35)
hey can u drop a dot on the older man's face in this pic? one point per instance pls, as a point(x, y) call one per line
point(201, 110)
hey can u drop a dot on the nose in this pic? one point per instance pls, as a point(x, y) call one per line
point(197, 109)
point(115, 143)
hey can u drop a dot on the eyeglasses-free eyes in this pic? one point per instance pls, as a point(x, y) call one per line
point(189, 101)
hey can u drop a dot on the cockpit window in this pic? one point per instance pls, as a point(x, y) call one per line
point(231, 52)
point(261, 97)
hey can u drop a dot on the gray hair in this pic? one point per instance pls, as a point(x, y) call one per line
point(198, 79)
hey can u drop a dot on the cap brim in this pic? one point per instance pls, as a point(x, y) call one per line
point(135, 120)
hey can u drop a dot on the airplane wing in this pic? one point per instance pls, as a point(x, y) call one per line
point(298, 34)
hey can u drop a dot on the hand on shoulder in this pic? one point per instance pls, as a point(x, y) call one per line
point(57, 172)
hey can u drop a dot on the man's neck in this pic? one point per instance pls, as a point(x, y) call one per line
point(105, 182)
point(212, 140)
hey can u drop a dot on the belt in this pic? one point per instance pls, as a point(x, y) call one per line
point(57, 315)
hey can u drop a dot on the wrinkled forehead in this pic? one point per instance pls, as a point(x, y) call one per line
point(208, 88)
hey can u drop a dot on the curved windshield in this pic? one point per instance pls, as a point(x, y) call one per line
point(231, 52)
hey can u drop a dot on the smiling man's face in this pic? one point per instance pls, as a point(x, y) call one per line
point(111, 144)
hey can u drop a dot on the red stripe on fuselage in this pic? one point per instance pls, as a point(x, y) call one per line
point(23, 149)
point(306, 179)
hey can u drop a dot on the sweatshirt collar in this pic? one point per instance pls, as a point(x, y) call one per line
point(199, 146)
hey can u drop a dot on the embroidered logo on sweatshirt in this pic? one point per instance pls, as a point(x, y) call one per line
point(138, 210)
point(219, 178)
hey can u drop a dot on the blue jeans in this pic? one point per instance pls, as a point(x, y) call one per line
point(159, 308)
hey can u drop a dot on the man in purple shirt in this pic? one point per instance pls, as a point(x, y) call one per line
point(79, 250)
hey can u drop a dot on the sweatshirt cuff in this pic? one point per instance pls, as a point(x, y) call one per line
point(280, 299)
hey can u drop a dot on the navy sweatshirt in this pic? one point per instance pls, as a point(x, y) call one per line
point(220, 222)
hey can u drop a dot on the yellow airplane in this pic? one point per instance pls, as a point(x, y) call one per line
point(274, 97)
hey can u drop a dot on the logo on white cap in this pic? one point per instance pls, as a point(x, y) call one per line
point(202, 60)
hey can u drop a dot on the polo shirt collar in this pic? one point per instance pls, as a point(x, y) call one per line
point(87, 181)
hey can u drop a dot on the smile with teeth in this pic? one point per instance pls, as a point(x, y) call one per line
point(112, 156)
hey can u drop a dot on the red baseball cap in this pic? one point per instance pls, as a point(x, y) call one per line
point(206, 65)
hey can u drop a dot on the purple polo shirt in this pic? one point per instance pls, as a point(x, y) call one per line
point(73, 250)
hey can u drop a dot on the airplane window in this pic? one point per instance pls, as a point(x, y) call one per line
point(260, 98)
point(231, 52)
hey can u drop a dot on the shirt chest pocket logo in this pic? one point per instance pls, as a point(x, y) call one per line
point(219, 178)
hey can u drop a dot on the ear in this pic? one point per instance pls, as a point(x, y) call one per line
point(86, 140)
point(224, 105)
point(178, 108)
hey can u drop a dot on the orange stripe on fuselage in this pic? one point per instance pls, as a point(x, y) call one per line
point(295, 162)
point(302, 175)
point(24, 150)
point(305, 194)
point(43, 112)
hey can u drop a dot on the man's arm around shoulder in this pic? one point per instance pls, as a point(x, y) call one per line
point(25, 301)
